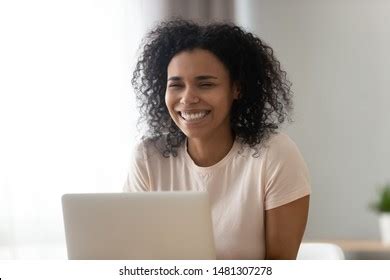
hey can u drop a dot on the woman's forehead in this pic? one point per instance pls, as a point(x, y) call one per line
point(196, 63)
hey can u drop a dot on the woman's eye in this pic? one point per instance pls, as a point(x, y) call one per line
point(206, 85)
point(175, 86)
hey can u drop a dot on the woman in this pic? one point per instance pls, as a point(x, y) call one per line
point(212, 97)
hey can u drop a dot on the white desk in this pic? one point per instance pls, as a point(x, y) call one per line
point(34, 252)
point(361, 249)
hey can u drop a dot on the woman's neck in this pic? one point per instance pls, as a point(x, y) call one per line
point(209, 152)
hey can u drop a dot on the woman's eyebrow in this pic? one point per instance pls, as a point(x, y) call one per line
point(174, 78)
point(205, 77)
point(199, 78)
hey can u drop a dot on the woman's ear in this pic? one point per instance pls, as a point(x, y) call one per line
point(236, 90)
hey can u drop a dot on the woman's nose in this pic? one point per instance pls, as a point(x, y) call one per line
point(189, 97)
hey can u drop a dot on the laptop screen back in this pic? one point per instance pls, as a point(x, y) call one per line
point(153, 225)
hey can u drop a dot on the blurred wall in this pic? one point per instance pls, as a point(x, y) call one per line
point(336, 54)
point(153, 11)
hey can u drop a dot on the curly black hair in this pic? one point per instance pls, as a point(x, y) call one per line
point(265, 99)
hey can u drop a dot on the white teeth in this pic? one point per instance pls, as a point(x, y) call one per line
point(196, 116)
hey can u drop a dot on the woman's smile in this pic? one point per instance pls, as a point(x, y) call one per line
point(190, 118)
point(199, 95)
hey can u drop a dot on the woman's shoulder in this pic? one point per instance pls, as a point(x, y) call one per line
point(151, 148)
point(280, 147)
point(145, 148)
point(274, 142)
point(276, 147)
point(279, 140)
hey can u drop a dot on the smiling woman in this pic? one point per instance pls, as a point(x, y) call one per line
point(199, 99)
point(213, 97)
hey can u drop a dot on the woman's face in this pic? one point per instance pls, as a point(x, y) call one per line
point(199, 94)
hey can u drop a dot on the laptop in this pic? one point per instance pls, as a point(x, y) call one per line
point(138, 226)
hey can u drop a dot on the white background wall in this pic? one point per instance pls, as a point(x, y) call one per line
point(66, 123)
point(336, 53)
point(65, 118)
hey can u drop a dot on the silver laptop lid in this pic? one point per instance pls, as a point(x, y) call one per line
point(150, 225)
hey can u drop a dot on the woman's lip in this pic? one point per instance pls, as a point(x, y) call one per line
point(196, 120)
point(193, 111)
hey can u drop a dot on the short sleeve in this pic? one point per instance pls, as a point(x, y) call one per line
point(287, 176)
point(137, 177)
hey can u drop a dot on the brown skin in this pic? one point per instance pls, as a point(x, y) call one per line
point(197, 81)
point(284, 228)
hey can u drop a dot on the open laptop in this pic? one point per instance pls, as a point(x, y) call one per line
point(149, 225)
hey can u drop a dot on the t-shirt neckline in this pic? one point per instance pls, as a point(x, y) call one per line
point(211, 168)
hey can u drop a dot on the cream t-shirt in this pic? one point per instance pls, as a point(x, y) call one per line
point(241, 187)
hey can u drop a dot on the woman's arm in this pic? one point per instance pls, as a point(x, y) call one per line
point(284, 228)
